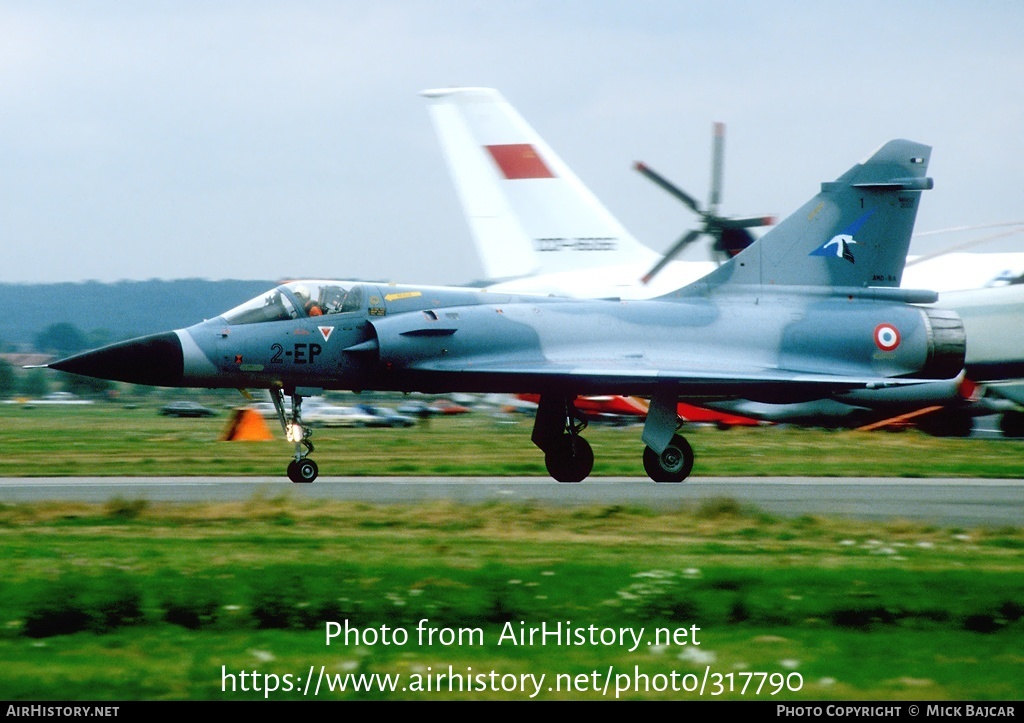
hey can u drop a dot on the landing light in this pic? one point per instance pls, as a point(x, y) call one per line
point(293, 432)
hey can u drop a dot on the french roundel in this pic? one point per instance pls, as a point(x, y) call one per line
point(887, 337)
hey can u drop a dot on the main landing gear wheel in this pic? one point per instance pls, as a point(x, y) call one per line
point(947, 423)
point(302, 470)
point(570, 460)
point(672, 465)
point(1012, 424)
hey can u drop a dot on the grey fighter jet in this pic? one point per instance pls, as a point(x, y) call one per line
point(812, 310)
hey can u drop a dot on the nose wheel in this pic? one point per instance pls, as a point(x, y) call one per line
point(301, 470)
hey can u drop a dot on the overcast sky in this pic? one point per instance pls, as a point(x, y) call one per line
point(285, 139)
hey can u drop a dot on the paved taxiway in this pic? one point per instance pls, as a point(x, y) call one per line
point(957, 502)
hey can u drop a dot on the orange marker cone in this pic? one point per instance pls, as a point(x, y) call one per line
point(246, 425)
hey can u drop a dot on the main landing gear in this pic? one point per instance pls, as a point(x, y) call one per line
point(673, 464)
point(568, 457)
point(668, 456)
point(556, 430)
point(301, 469)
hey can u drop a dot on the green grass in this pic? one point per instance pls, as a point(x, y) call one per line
point(131, 601)
point(106, 439)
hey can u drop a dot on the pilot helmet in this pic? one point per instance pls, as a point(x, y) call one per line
point(301, 292)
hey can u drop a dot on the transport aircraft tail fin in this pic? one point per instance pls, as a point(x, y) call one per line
point(527, 211)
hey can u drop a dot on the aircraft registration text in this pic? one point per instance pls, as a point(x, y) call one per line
point(298, 354)
point(595, 243)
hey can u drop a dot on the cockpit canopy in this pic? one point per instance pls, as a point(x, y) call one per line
point(298, 300)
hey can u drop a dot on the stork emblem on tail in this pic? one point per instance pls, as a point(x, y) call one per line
point(839, 245)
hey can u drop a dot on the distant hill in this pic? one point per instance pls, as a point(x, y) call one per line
point(123, 309)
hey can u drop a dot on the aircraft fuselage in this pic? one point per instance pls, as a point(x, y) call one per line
point(456, 340)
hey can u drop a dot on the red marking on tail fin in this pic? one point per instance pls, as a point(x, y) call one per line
point(519, 160)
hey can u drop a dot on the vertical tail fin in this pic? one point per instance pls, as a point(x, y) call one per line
point(854, 233)
point(527, 211)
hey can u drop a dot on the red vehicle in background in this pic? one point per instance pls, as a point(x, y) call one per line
point(446, 406)
point(620, 406)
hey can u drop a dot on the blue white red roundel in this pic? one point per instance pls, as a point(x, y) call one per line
point(887, 337)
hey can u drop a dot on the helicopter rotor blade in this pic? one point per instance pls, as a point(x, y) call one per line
point(667, 185)
point(745, 222)
point(729, 235)
point(681, 244)
point(717, 160)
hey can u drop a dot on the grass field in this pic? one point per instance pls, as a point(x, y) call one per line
point(106, 439)
point(130, 601)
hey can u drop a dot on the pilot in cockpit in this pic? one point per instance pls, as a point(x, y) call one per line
point(309, 305)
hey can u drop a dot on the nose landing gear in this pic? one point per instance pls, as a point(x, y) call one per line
point(301, 469)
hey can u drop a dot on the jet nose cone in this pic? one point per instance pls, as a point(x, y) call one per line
point(154, 360)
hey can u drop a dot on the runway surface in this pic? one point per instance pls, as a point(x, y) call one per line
point(949, 502)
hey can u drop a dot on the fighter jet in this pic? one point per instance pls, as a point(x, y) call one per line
point(780, 322)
